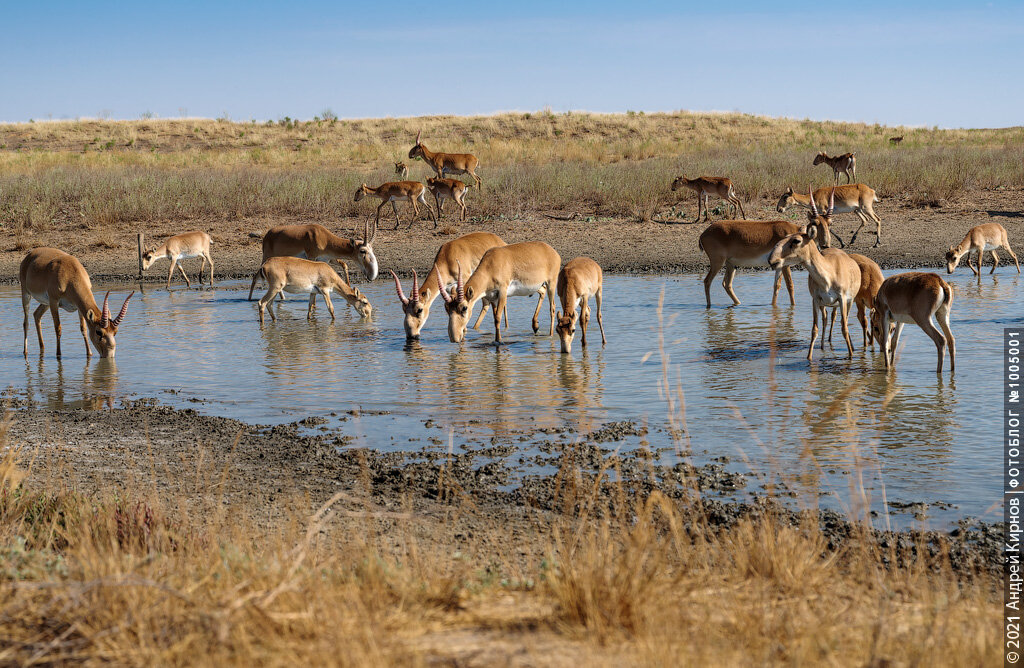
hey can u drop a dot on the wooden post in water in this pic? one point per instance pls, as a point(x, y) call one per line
point(142, 238)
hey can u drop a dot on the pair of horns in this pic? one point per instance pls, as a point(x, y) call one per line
point(460, 292)
point(105, 318)
point(415, 288)
point(831, 202)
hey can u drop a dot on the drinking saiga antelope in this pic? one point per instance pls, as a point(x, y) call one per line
point(856, 198)
point(710, 185)
point(505, 271)
point(840, 164)
point(833, 277)
point(747, 243)
point(398, 191)
point(446, 163)
point(578, 280)
point(177, 248)
point(58, 280)
point(298, 276)
point(914, 297)
point(988, 237)
point(316, 242)
point(464, 252)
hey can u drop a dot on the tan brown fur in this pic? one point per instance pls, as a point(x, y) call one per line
point(446, 163)
point(580, 279)
point(870, 281)
point(398, 191)
point(178, 247)
point(57, 281)
point(704, 186)
point(856, 198)
point(916, 297)
point(402, 169)
point(840, 164)
point(293, 274)
point(987, 237)
point(448, 189)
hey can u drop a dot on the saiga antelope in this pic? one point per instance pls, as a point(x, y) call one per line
point(402, 169)
point(914, 297)
point(856, 198)
point(833, 278)
point(451, 189)
point(895, 140)
point(707, 185)
point(446, 163)
point(987, 237)
point(177, 248)
point(870, 281)
point(58, 280)
point(746, 243)
point(398, 191)
point(504, 271)
point(316, 242)
point(845, 164)
point(464, 252)
point(298, 276)
point(578, 280)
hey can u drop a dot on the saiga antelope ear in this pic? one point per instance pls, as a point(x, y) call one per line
point(812, 232)
point(90, 316)
point(469, 293)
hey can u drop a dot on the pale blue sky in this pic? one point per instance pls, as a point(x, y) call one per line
point(919, 63)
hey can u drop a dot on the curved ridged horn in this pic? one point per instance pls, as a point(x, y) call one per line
point(814, 207)
point(418, 137)
point(398, 289)
point(124, 310)
point(831, 202)
point(105, 317)
point(440, 286)
point(459, 286)
point(415, 287)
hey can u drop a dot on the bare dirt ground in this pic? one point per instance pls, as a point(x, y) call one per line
point(912, 236)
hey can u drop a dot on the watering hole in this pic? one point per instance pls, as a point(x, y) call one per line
point(728, 385)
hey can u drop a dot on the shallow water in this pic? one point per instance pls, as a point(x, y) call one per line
point(750, 395)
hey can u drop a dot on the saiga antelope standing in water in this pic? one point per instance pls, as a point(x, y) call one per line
point(833, 277)
point(747, 243)
point(845, 163)
point(402, 169)
point(988, 237)
point(505, 271)
point(451, 189)
point(398, 191)
point(707, 185)
point(578, 280)
point(298, 276)
point(870, 281)
point(464, 252)
point(58, 280)
point(177, 248)
point(446, 163)
point(914, 297)
point(856, 198)
point(316, 242)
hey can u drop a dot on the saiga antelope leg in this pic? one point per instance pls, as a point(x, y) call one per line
point(814, 331)
point(845, 314)
point(995, 262)
point(188, 283)
point(709, 279)
point(38, 315)
point(730, 273)
point(551, 302)
point(600, 321)
point(55, 312)
point(942, 315)
point(788, 275)
point(936, 336)
point(497, 309)
point(536, 313)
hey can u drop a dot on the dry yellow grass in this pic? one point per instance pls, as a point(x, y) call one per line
point(131, 576)
point(93, 173)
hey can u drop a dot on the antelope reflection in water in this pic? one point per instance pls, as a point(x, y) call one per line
point(98, 386)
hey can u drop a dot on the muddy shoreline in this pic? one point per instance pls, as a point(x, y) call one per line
point(913, 237)
point(193, 457)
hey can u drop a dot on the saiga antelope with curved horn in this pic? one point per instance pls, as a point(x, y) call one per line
point(987, 237)
point(58, 280)
point(914, 297)
point(316, 242)
point(707, 185)
point(515, 270)
point(466, 252)
point(446, 163)
point(298, 276)
point(448, 189)
point(398, 191)
point(833, 277)
point(747, 243)
point(856, 198)
point(845, 164)
point(177, 248)
point(578, 280)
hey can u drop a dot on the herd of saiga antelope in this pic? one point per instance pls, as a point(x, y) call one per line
point(497, 270)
